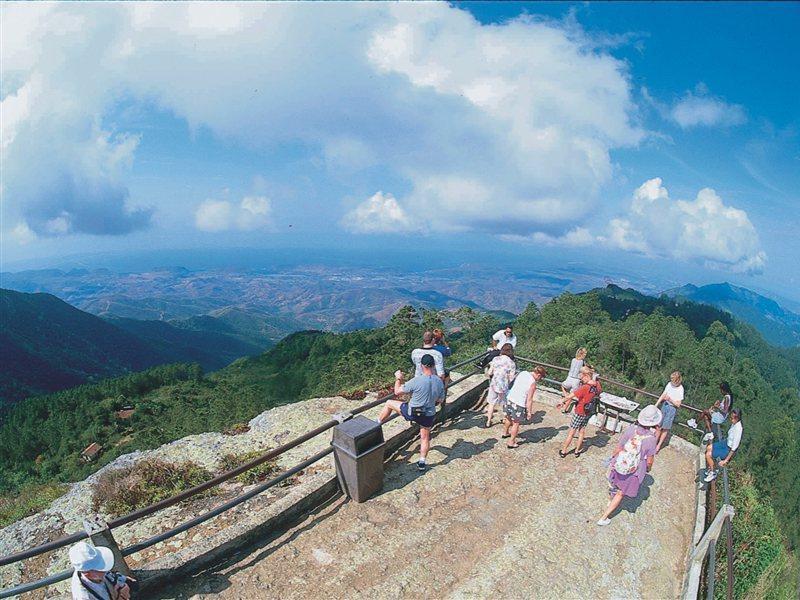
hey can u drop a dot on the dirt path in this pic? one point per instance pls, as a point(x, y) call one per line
point(484, 521)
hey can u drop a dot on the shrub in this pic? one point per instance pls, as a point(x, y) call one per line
point(255, 475)
point(236, 429)
point(30, 499)
point(122, 490)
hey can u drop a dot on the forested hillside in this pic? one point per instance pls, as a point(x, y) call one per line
point(47, 345)
point(637, 340)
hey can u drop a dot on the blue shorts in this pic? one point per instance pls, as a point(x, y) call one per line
point(720, 450)
point(668, 411)
point(421, 421)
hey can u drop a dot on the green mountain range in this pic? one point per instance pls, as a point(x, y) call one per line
point(47, 345)
point(779, 326)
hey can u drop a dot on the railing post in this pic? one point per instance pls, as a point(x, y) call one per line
point(712, 567)
point(100, 535)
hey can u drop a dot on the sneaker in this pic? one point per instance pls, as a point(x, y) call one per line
point(603, 522)
point(421, 466)
point(710, 477)
point(708, 438)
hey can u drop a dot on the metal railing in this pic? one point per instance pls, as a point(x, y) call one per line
point(708, 541)
point(177, 498)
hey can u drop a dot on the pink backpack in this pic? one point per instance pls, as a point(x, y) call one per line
point(628, 460)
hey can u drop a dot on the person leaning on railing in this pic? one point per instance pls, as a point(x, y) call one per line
point(715, 416)
point(572, 382)
point(427, 390)
point(724, 450)
point(669, 402)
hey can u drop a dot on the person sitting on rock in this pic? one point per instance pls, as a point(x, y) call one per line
point(519, 403)
point(589, 389)
point(93, 578)
point(572, 382)
point(632, 459)
point(427, 390)
point(724, 450)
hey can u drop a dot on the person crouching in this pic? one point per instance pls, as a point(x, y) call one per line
point(427, 390)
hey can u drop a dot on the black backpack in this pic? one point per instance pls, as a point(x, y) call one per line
point(593, 405)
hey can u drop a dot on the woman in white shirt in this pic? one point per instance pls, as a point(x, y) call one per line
point(669, 402)
point(573, 382)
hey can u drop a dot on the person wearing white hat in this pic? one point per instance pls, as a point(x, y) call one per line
point(632, 459)
point(93, 578)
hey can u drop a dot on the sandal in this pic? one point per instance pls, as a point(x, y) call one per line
point(562, 454)
point(507, 435)
point(510, 447)
point(579, 452)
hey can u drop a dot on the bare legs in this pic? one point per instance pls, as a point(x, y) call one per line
point(613, 504)
point(662, 437)
point(511, 428)
point(489, 413)
point(568, 441)
point(393, 406)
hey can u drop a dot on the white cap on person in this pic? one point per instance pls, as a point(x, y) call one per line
point(85, 557)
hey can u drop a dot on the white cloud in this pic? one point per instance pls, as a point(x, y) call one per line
point(252, 213)
point(516, 119)
point(703, 229)
point(378, 214)
point(699, 108)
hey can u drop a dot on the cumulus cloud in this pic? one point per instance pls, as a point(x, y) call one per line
point(516, 121)
point(378, 214)
point(703, 230)
point(700, 108)
point(253, 212)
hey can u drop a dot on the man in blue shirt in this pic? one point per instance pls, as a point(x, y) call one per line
point(427, 390)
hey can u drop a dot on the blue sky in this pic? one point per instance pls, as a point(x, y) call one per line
point(659, 138)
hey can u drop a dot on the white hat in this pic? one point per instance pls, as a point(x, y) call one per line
point(85, 557)
point(649, 416)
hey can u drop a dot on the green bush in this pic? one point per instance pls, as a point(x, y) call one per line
point(30, 499)
point(255, 475)
point(120, 491)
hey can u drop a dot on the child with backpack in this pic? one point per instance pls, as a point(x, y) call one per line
point(632, 459)
point(587, 397)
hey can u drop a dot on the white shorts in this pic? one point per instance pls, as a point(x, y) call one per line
point(570, 383)
point(495, 397)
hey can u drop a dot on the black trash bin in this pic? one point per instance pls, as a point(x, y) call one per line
point(358, 451)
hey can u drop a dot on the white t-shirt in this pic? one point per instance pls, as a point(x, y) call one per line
point(518, 394)
point(501, 338)
point(416, 357)
point(735, 436)
point(79, 592)
point(675, 393)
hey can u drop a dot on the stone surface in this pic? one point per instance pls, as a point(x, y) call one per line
point(484, 521)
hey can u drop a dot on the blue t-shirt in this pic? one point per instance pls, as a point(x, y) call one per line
point(425, 390)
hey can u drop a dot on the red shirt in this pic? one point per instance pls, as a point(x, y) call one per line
point(584, 395)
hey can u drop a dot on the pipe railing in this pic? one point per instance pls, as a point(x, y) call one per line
point(168, 502)
point(177, 498)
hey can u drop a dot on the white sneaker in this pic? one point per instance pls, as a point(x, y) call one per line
point(708, 438)
point(603, 522)
point(710, 477)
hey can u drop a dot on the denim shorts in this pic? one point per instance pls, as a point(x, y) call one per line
point(720, 450)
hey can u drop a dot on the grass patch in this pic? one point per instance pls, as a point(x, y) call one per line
point(29, 500)
point(255, 475)
point(122, 490)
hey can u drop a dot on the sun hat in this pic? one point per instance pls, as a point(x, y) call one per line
point(427, 360)
point(650, 416)
point(85, 557)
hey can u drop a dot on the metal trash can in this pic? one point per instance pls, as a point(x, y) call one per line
point(358, 452)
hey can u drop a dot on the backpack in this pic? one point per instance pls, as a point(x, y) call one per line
point(590, 408)
point(628, 460)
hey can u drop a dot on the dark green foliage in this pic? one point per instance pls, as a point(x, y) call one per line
point(121, 491)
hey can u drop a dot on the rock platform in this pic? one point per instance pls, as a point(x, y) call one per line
point(483, 521)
